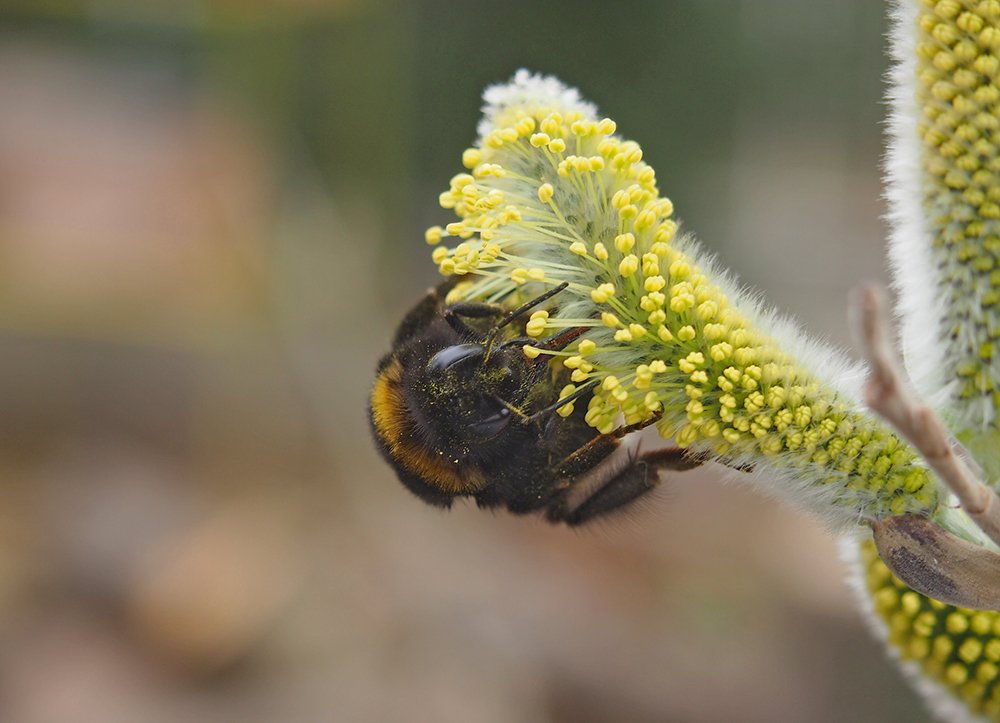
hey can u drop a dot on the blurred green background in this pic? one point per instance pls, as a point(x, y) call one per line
point(211, 217)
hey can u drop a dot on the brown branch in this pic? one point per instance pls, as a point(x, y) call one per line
point(888, 395)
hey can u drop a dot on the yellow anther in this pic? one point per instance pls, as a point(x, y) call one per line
point(535, 327)
point(628, 265)
point(686, 435)
point(632, 151)
point(681, 303)
point(557, 145)
point(433, 235)
point(545, 192)
point(472, 157)
point(665, 232)
point(731, 435)
point(610, 320)
point(608, 147)
point(552, 124)
point(707, 310)
point(679, 270)
point(565, 410)
point(624, 242)
point(530, 351)
point(490, 169)
point(579, 248)
point(694, 409)
point(602, 293)
point(644, 220)
point(721, 351)
point(657, 366)
point(654, 283)
point(714, 332)
point(600, 252)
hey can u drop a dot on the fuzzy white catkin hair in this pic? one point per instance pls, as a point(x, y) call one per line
point(942, 185)
point(943, 181)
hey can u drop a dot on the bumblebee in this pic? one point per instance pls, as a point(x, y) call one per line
point(459, 411)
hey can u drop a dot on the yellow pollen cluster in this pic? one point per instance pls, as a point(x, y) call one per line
point(510, 195)
point(555, 197)
point(958, 91)
point(956, 647)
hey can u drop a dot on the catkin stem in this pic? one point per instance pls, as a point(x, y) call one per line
point(888, 395)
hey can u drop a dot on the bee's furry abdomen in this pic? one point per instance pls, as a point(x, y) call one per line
point(430, 474)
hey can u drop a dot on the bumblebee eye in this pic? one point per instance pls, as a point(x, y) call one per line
point(452, 355)
point(494, 419)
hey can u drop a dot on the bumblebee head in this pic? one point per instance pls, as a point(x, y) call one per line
point(469, 395)
point(455, 405)
point(445, 423)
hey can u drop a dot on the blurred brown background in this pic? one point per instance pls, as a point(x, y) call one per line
point(211, 217)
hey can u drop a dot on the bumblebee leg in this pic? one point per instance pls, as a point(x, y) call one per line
point(600, 446)
point(629, 484)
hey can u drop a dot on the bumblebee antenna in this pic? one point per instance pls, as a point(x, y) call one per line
point(563, 339)
point(519, 311)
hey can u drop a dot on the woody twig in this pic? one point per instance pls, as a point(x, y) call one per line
point(889, 396)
